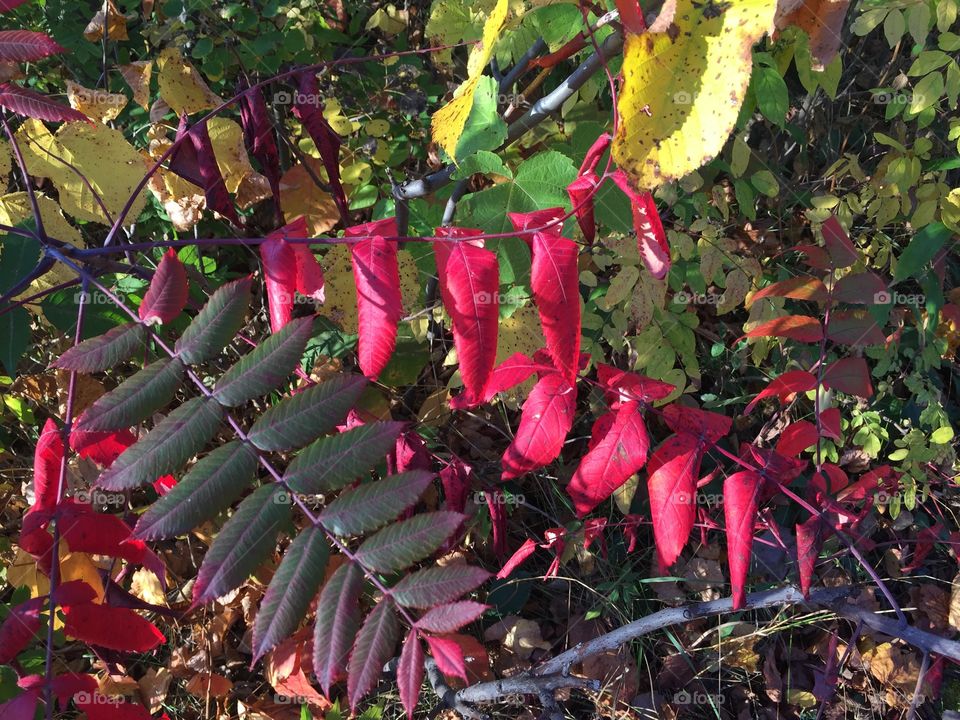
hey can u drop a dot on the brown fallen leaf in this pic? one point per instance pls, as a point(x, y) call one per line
point(822, 21)
point(288, 668)
point(209, 684)
point(154, 686)
point(146, 586)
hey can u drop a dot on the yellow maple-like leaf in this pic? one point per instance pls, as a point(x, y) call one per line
point(448, 122)
point(95, 104)
point(181, 86)
point(137, 76)
point(683, 87)
point(80, 148)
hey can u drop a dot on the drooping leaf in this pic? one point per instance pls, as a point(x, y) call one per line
point(374, 645)
point(216, 323)
point(849, 375)
point(19, 628)
point(668, 129)
point(402, 544)
point(581, 192)
point(258, 134)
point(470, 288)
point(554, 280)
point(167, 294)
point(173, 441)
point(855, 328)
point(796, 438)
point(548, 414)
point(297, 420)
point(672, 475)
point(783, 386)
point(338, 619)
point(376, 274)
point(810, 535)
point(47, 459)
point(803, 287)
point(289, 268)
point(436, 585)
point(520, 555)
point(612, 459)
point(26, 46)
point(332, 462)
point(213, 184)
point(295, 583)
point(265, 367)
point(103, 351)
point(410, 673)
point(244, 542)
point(137, 397)
point(864, 288)
point(111, 627)
point(209, 488)
point(451, 617)
point(31, 104)
point(651, 239)
point(741, 493)
point(448, 655)
point(794, 327)
point(307, 111)
point(370, 505)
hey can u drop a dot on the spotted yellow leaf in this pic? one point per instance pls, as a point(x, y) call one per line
point(181, 86)
point(6, 159)
point(241, 179)
point(683, 87)
point(137, 76)
point(95, 104)
point(448, 122)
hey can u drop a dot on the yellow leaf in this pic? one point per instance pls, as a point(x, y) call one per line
point(181, 86)
point(182, 200)
point(299, 195)
point(137, 76)
point(95, 104)
point(448, 122)
point(226, 136)
point(521, 332)
point(84, 146)
point(6, 160)
point(116, 25)
point(23, 572)
point(683, 88)
point(79, 566)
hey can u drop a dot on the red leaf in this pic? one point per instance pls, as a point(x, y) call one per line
point(855, 328)
point(795, 327)
point(672, 484)
point(376, 274)
point(8, 5)
point(47, 460)
point(554, 280)
point(741, 492)
point(498, 521)
point(64, 686)
point(581, 192)
point(708, 426)
point(790, 383)
point(450, 618)
point(511, 372)
point(448, 655)
point(651, 239)
point(410, 673)
point(775, 465)
point(101, 446)
point(796, 438)
point(469, 282)
point(830, 423)
point(18, 629)
point(805, 287)
point(631, 15)
point(167, 294)
point(623, 386)
point(547, 417)
point(816, 256)
point(22, 707)
point(104, 707)
point(183, 160)
point(213, 185)
point(841, 250)
point(26, 46)
point(289, 268)
point(849, 375)
point(307, 111)
point(258, 134)
point(865, 288)
point(74, 593)
point(809, 540)
point(522, 553)
point(101, 534)
point(29, 103)
point(456, 480)
point(111, 627)
point(620, 452)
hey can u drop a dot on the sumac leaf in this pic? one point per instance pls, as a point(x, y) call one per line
point(436, 585)
point(672, 484)
point(111, 627)
point(338, 618)
point(854, 328)
point(794, 327)
point(104, 351)
point(47, 459)
point(332, 462)
point(167, 294)
point(849, 375)
point(294, 585)
point(376, 274)
point(18, 628)
point(137, 397)
point(31, 104)
point(374, 645)
point(265, 367)
point(400, 545)
point(555, 283)
point(295, 421)
point(173, 441)
point(804, 287)
point(842, 251)
point(216, 323)
point(370, 505)
point(810, 535)
point(209, 487)
point(790, 383)
point(547, 417)
point(864, 288)
point(410, 673)
point(741, 494)
point(448, 655)
point(214, 188)
point(450, 618)
point(245, 541)
point(22, 707)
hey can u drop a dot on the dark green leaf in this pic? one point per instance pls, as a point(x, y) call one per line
point(401, 545)
point(922, 249)
point(297, 420)
point(137, 397)
point(104, 351)
point(374, 646)
point(294, 585)
point(267, 366)
point(210, 487)
point(332, 462)
point(437, 585)
point(338, 617)
point(18, 256)
point(217, 323)
point(173, 441)
point(370, 505)
point(14, 338)
point(245, 541)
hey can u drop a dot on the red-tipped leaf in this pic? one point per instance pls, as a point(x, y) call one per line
point(167, 294)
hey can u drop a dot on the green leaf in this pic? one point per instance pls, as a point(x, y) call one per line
point(332, 462)
point(14, 338)
point(207, 489)
point(173, 441)
point(216, 324)
point(401, 545)
point(245, 541)
point(485, 129)
point(926, 92)
point(266, 366)
point(294, 585)
point(137, 397)
point(434, 586)
point(374, 645)
point(104, 351)
point(370, 505)
point(18, 256)
point(941, 436)
point(771, 93)
point(297, 420)
point(922, 248)
point(482, 162)
point(338, 617)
